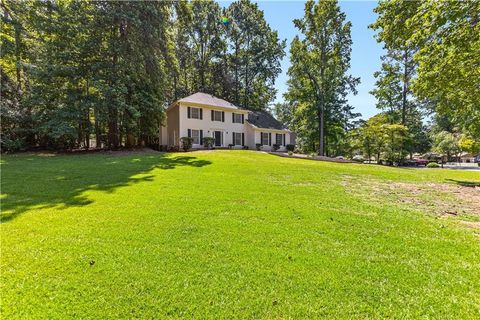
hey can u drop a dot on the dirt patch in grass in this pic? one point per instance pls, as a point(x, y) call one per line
point(441, 199)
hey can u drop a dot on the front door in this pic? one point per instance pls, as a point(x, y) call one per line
point(218, 138)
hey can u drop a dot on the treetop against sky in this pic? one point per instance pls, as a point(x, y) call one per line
point(366, 52)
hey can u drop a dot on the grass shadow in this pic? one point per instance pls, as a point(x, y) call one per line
point(471, 184)
point(31, 182)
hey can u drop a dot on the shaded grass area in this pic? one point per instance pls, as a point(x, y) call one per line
point(226, 234)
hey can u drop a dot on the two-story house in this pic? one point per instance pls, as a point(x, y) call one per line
point(203, 115)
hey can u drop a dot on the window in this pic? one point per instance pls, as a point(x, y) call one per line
point(216, 115)
point(265, 138)
point(194, 113)
point(237, 138)
point(237, 118)
point(279, 139)
point(196, 136)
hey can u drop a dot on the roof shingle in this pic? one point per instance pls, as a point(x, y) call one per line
point(265, 120)
point(209, 100)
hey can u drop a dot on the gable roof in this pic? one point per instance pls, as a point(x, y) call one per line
point(209, 100)
point(265, 120)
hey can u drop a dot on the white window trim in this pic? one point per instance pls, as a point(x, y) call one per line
point(261, 138)
point(191, 113)
point(239, 135)
point(215, 112)
point(198, 136)
point(281, 139)
point(239, 115)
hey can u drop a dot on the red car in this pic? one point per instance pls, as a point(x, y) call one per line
point(421, 162)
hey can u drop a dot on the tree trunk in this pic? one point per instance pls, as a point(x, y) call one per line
point(112, 128)
point(405, 87)
point(113, 138)
point(186, 79)
point(175, 86)
point(236, 72)
point(18, 62)
point(98, 139)
point(321, 129)
point(245, 98)
point(88, 124)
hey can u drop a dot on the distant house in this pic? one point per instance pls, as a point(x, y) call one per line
point(203, 115)
point(466, 157)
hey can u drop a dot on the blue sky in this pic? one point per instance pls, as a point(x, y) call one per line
point(366, 51)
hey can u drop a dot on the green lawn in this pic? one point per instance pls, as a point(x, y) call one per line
point(228, 234)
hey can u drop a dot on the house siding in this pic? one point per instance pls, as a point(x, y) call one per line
point(227, 127)
point(179, 124)
point(257, 138)
point(173, 127)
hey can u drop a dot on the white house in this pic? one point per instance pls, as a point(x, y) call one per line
point(203, 115)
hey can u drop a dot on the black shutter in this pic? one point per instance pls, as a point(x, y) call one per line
point(223, 116)
point(201, 135)
point(188, 112)
point(212, 115)
point(269, 138)
point(243, 138)
point(233, 138)
point(201, 114)
point(261, 138)
point(284, 139)
point(243, 118)
point(189, 133)
point(233, 117)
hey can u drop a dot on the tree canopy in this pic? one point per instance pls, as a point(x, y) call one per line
point(72, 70)
point(319, 81)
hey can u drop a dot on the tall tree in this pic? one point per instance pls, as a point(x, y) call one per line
point(448, 34)
point(255, 54)
point(71, 70)
point(398, 69)
point(208, 42)
point(319, 64)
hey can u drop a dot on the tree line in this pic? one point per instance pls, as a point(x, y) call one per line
point(430, 70)
point(73, 70)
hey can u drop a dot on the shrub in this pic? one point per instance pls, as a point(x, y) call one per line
point(290, 153)
point(12, 145)
point(290, 147)
point(208, 142)
point(186, 143)
point(245, 148)
point(231, 145)
point(276, 147)
point(258, 146)
point(433, 165)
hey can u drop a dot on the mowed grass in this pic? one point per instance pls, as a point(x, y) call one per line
point(225, 235)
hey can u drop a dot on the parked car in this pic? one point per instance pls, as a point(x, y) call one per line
point(358, 157)
point(410, 163)
point(421, 162)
